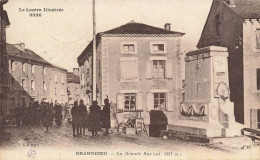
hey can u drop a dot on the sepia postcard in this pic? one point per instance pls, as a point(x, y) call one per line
point(129, 79)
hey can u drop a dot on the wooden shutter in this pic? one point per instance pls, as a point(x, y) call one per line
point(148, 69)
point(150, 101)
point(170, 105)
point(168, 69)
point(139, 101)
point(120, 101)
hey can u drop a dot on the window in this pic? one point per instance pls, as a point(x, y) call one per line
point(129, 47)
point(158, 47)
point(32, 85)
point(217, 21)
point(44, 70)
point(24, 67)
point(55, 91)
point(55, 78)
point(33, 69)
point(159, 101)
point(44, 86)
point(130, 101)
point(129, 68)
point(83, 78)
point(23, 83)
point(258, 79)
point(11, 65)
point(62, 80)
point(258, 38)
point(158, 70)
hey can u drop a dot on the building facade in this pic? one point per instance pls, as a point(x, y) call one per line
point(33, 78)
point(4, 87)
point(138, 68)
point(235, 24)
point(73, 91)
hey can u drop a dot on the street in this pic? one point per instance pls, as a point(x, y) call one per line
point(59, 143)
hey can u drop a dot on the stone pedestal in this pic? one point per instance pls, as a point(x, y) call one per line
point(207, 110)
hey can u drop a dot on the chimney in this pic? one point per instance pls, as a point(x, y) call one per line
point(167, 26)
point(230, 3)
point(20, 46)
point(76, 71)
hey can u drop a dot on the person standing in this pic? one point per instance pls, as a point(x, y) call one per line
point(106, 116)
point(94, 118)
point(30, 115)
point(18, 116)
point(76, 119)
point(58, 114)
point(84, 115)
point(47, 116)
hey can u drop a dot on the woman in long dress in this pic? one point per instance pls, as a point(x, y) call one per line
point(76, 119)
point(94, 118)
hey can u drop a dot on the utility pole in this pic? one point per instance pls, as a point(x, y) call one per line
point(94, 90)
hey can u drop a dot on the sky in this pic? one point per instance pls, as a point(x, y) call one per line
point(60, 37)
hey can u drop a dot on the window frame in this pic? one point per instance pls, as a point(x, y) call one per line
point(135, 99)
point(33, 69)
point(159, 98)
point(158, 70)
point(55, 78)
point(257, 37)
point(129, 43)
point(44, 70)
point(44, 86)
point(164, 43)
point(33, 85)
point(24, 67)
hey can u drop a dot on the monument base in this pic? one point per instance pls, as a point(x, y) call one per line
point(206, 129)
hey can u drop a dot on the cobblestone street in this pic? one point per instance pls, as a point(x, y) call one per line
point(60, 140)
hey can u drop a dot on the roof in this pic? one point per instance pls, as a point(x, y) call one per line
point(139, 28)
point(13, 50)
point(58, 67)
point(131, 28)
point(247, 9)
point(72, 78)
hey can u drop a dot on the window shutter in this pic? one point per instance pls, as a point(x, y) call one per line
point(120, 101)
point(139, 99)
point(169, 105)
point(148, 69)
point(150, 101)
point(169, 69)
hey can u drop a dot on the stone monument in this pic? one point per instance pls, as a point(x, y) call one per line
point(207, 109)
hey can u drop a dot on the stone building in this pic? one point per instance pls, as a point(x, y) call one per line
point(138, 68)
point(235, 24)
point(4, 88)
point(73, 91)
point(33, 78)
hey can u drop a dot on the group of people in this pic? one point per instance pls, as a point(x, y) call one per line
point(45, 113)
point(39, 114)
point(94, 120)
